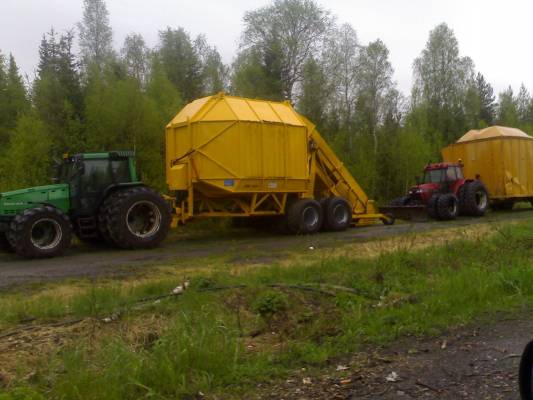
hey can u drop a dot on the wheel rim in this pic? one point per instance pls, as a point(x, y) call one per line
point(452, 207)
point(481, 199)
point(340, 214)
point(310, 217)
point(143, 219)
point(46, 234)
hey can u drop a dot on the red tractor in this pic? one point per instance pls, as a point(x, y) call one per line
point(444, 193)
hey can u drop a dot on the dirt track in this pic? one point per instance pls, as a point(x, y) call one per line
point(479, 362)
point(91, 262)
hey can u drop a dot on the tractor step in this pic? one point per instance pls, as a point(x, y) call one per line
point(87, 228)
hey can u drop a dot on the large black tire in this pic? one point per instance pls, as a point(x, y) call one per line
point(4, 243)
point(104, 213)
point(137, 218)
point(432, 206)
point(525, 373)
point(447, 207)
point(400, 201)
point(337, 214)
point(40, 232)
point(461, 198)
point(304, 216)
point(476, 198)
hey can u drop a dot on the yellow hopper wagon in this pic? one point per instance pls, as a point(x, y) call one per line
point(235, 157)
point(502, 158)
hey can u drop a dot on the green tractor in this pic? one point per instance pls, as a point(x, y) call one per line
point(96, 196)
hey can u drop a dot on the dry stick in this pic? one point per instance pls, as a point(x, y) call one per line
point(35, 327)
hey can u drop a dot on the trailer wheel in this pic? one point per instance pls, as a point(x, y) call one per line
point(432, 206)
point(447, 207)
point(525, 373)
point(137, 218)
point(304, 216)
point(40, 232)
point(337, 214)
point(476, 198)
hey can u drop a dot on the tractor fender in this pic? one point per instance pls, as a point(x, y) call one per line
point(113, 188)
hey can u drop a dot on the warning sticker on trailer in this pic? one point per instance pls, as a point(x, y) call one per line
point(229, 182)
point(272, 185)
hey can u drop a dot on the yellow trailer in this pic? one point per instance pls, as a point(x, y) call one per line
point(501, 157)
point(235, 157)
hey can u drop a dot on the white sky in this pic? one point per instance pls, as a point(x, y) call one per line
point(496, 34)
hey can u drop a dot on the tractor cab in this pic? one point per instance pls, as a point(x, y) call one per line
point(438, 178)
point(90, 177)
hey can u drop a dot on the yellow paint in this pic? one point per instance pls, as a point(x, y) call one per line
point(231, 156)
point(501, 157)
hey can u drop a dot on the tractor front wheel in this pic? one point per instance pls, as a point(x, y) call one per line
point(40, 232)
point(137, 218)
point(432, 206)
point(447, 207)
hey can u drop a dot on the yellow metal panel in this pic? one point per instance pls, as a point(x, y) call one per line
point(264, 111)
point(286, 114)
point(241, 109)
point(189, 111)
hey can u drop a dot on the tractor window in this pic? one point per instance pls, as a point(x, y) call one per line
point(434, 176)
point(121, 170)
point(459, 172)
point(97, 175)
point(450, 174)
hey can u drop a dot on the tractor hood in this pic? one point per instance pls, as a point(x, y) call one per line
point(15, 201)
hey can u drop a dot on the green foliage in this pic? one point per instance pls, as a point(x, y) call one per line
point(26, 161)
point(285, 34)
point(258, 75)
point(270, 303)
point(181, 62)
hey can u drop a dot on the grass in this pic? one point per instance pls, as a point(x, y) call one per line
point(225, 341)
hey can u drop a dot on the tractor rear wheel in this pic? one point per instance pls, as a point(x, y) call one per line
point(432, 206)
point(137, 218)
point(304, 216)
point(476, 198)
point(337, 214)
point(40, 232)
point(447, 207)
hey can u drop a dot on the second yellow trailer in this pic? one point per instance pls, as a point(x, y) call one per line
point(235, 157)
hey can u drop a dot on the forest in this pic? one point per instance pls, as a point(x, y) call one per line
point(104, 98)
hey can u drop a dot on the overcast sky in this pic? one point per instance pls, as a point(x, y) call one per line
point(496, 34)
